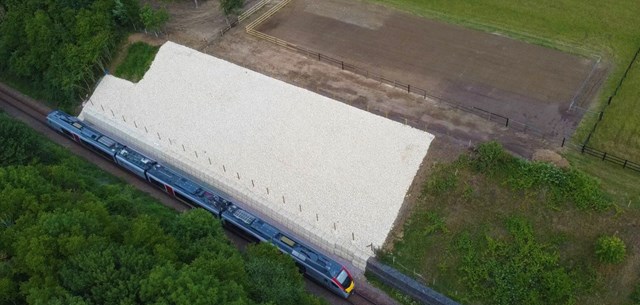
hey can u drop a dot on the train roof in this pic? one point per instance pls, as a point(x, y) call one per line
point(285, 243)
point(177, 181)
point(136, 158)
point(85, 130)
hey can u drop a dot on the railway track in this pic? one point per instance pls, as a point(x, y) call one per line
point(359, 299)
point(34, 115)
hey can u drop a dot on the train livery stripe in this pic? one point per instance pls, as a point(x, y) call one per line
point(169, 190)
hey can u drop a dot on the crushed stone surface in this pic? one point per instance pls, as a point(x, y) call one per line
point(338, 170)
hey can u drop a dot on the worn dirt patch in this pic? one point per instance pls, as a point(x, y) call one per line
point(529, 84)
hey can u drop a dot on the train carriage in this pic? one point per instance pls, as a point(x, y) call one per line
point(134, 161)
point(80, 132)
point(314, 265)
point(186, 190)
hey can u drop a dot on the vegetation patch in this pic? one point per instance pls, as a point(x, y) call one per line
point(138, 60)
point(611, 249)
point(71, 234)
point(490, 228)
point(59, 48)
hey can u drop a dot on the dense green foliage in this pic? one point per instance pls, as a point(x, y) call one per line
point(153, 19)
point(515, 269)
point(230, 7)
point(138, 60)
point(275, 278)
point(490, 228)
point(59, 47)
point(635, 296)
point(558, 185)
point(611, 249)
point(70, 234)
point(19, 145)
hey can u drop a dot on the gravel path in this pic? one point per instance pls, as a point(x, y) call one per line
point(331, 170)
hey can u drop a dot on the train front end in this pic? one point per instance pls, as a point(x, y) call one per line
point(344, 280)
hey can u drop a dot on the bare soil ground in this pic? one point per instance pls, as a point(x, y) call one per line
point(455, 130)
point(527, 83)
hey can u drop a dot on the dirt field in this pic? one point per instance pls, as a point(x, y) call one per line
point(455, 130)
point(530, 84)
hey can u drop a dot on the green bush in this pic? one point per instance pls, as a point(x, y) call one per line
point(558, 186)
point(610, 249)
point(514, 270)
point(635, 295)
point(20, 145)
point(490, 157)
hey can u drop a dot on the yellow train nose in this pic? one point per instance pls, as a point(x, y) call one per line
point(350, 288)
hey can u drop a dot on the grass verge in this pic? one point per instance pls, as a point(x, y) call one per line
point(493, 229)
point(138, 60)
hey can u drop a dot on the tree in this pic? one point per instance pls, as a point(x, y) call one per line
point(19, 144)
point(153, 20)
point(275, 278)
point(230, 7)
point(127, 12)
point(58, 47)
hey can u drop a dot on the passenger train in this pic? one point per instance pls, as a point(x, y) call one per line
point(312, 263)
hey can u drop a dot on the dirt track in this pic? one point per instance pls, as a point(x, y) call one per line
point(527, 83)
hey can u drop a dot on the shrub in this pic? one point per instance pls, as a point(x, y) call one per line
point(489, 157)
point(610, 249)
point(514, 270)
point(635, 295)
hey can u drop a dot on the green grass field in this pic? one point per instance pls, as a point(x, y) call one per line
point(610, 29)
point(492, 229)
point(137, 61)
point(481, 227)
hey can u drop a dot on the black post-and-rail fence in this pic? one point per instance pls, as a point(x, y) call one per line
point(602, 155)
point(493, 117)
point(488, 115)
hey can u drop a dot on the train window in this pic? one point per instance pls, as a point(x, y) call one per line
point(287, 241)
point(156, 182)
point(242, 232)
point(184, 199)
point(67, 133)
point(100, 151)
point(344, 279)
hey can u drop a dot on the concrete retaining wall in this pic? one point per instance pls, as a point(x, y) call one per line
point(407, 285)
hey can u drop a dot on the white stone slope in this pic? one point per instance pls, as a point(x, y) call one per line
point(343, 172)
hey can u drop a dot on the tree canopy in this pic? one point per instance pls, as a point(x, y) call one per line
point(71, 234)
point(59, 47)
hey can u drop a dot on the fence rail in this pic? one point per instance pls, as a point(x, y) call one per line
point(604, 156)
point(483, 113)
point(412, 89)
point(252, 10)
